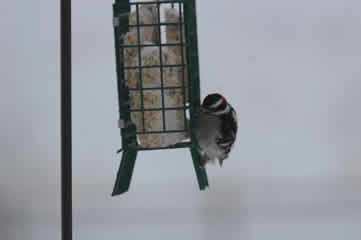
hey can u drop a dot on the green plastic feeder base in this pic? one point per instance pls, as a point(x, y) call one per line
point(125, 172)
point(126, 169)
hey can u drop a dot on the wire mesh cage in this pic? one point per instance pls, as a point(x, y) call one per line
point(158, 80)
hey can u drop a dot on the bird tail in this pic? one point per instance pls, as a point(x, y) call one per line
point(204, 160)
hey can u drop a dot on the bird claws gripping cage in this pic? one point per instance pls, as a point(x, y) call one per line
point(158, 81)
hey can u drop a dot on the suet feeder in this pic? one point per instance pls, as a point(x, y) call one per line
point(158, 81)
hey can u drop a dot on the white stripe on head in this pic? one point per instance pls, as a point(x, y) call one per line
point(226, 144)
point(216, 104)
point(226, 110)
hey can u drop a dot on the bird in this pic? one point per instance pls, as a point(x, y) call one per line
point(215, 128)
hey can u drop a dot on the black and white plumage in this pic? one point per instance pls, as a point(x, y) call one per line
point(215, 128)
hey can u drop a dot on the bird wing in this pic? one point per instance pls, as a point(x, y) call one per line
point(229, 130)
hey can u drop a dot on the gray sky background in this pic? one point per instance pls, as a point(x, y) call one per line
point(290, 68)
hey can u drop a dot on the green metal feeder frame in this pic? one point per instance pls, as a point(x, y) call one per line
point(129, 132)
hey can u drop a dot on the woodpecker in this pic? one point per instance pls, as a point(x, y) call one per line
point(215, 128)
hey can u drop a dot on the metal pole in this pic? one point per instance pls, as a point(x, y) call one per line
point(66, 130)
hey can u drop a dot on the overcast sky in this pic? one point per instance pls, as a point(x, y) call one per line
point(292, 70)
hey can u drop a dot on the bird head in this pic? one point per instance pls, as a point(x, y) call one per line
point(215, 104)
